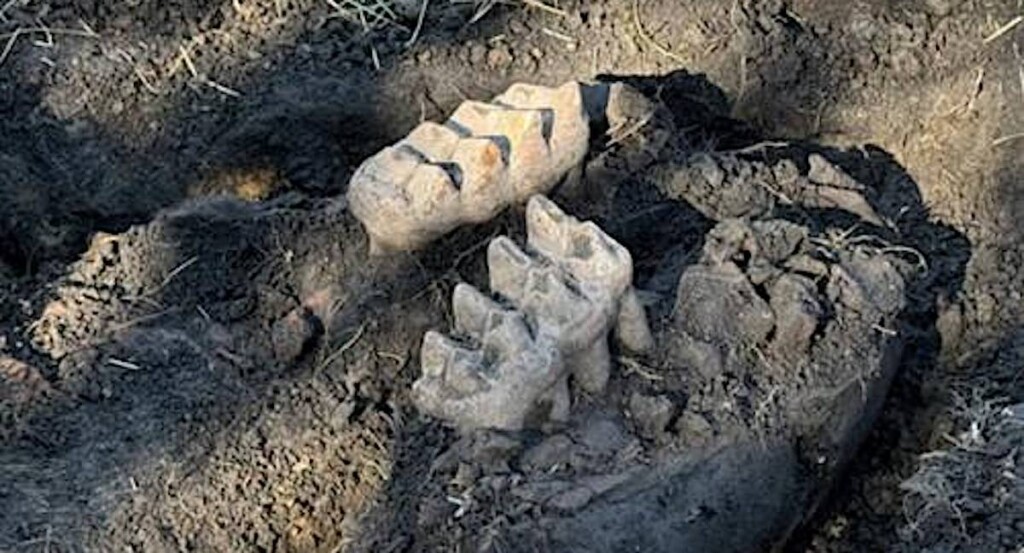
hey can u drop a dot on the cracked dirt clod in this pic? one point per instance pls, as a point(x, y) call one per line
point(723, 186)
point(504, 376)
point(486, 157)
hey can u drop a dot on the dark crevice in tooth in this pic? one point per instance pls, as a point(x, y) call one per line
point(504, 146)
point(454, 173)
point(407, 148)
point(459, 128)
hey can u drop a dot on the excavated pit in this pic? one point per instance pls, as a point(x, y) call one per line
point(254, 362)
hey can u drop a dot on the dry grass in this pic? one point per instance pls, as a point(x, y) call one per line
point(972, 489)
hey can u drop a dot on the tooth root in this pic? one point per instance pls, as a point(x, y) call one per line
point(433, 193)
point(631, 328)
point(433, 141)
point(592, 366)
point(509, 268)
point(484, 190)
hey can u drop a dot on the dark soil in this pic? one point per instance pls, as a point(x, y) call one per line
point(186, 372)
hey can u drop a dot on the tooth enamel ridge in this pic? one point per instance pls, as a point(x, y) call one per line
point(486, 157)
point(565, 293)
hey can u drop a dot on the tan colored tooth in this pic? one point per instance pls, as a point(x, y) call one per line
point(431, 192)
point(496, 154)
point(529, 157)
point(567, 128)
point(484, 188)
point(434, 141)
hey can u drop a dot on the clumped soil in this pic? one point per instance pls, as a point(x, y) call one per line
point(185, 367)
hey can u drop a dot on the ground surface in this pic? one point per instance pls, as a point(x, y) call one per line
point(117, 111)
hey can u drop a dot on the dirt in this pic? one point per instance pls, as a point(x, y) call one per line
point(181, 371)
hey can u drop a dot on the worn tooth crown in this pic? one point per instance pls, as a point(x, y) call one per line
point(566, 293)
point(486, 157)
point(435, 142)
point(564, 115)
point(582, 248)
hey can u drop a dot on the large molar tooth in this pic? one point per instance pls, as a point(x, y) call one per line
point(509, 267)
point(582, 248)
point(529, 156)
point(496, 154)
point(567, 127)
point(433, 194)
point(435, 142)
point(484, 188)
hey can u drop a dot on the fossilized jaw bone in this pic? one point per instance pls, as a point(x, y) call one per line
point(505, 377)
point(566, 293)
point(486, 157)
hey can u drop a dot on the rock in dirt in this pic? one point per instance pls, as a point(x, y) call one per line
point(292, 334)
point(552, 452)
point(651, 413)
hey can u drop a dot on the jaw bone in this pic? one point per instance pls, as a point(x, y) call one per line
point(486, 157)
point(566, 294)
